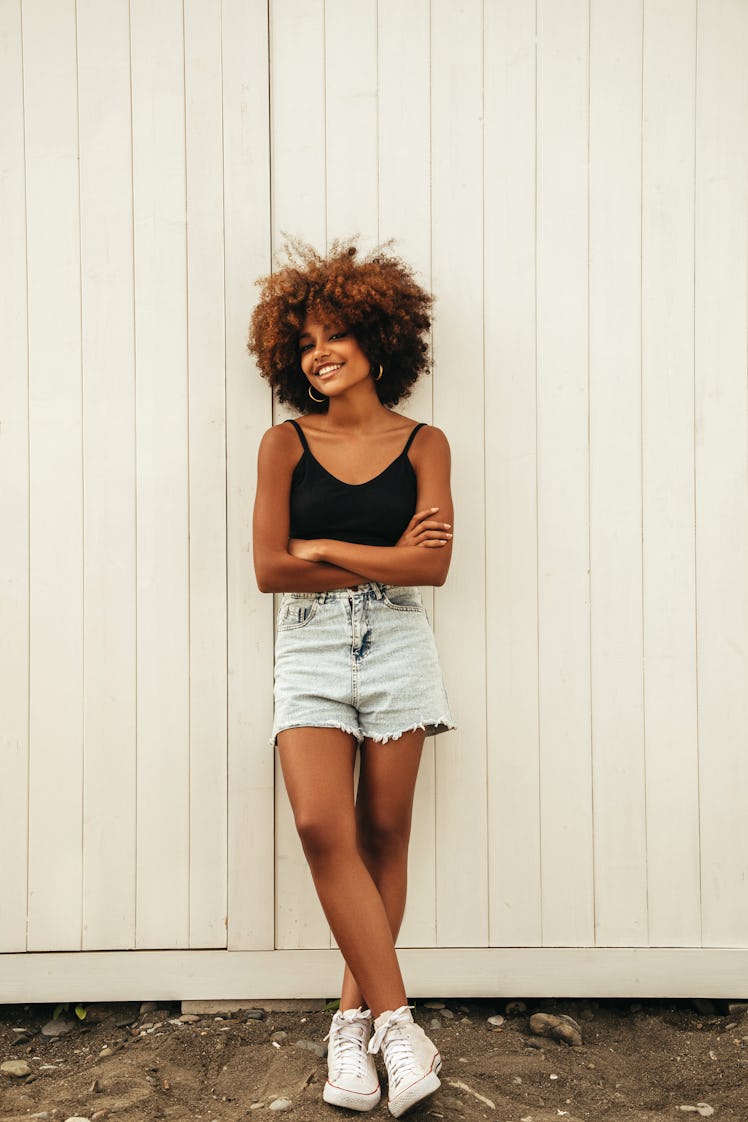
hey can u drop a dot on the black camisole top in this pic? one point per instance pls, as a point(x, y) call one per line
point(372, 513)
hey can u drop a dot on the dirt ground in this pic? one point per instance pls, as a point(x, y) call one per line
point(639, 1062)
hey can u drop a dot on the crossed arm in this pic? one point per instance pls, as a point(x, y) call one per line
point(421, 556)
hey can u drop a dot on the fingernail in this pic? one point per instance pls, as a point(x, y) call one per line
point(447, 525)
point(434, 508)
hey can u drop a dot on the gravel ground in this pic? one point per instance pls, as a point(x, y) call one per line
point(638, 1062)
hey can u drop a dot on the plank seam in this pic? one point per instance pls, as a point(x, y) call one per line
point(136, 473)
point(537, 487)
point(695, 487)
point(83, 473)
point(28, 486)
point(641, 472)
point(589, 491)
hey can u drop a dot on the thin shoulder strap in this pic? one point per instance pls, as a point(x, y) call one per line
point(413, 431)
point(300, 431)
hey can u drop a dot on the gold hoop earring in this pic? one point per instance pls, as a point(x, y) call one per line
point(319, 400)
point(379, 375)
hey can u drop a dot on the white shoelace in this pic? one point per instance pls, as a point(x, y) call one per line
point(398, 1047)
point(347, 1040)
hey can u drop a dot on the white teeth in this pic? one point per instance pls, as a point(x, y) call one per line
point(328, 369)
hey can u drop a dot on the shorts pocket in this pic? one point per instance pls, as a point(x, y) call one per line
point(296, 611)
point(403, 598)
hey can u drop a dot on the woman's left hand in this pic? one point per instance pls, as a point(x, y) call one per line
point(424, 530)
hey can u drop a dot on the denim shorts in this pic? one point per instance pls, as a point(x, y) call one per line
point(360, 659)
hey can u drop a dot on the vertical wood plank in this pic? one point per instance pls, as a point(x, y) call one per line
point(563, 461)
point(297, 102)
point(297, 108)
point(351, 132)
point(668, 473)
point(721, 402)
point(457, 262)
point(207, 474)
point(162, 465)
point(618, 765)
point(511, 476)
point(405, 214)
point(14, 494)
point(246, 169)
point(108, 474)
point(55, 492)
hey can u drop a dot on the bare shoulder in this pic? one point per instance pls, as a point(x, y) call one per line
point(431, 441)
point(280, 445)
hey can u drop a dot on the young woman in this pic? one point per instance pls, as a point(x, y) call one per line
point(353, 510)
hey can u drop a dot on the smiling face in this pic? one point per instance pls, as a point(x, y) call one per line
point(331, 358)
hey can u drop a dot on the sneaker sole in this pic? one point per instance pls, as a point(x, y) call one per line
point(416, 1093)
point(350, 1100)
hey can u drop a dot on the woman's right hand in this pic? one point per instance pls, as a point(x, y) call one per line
point(424, 530)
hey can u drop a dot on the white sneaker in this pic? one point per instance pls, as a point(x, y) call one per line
point(412, 1060)
point(352, 1079)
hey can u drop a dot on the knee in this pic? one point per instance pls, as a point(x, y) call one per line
point(320, 836)
point(384, 838)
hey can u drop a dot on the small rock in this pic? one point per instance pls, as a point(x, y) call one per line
point(559, 1027)
point(735, 1007)
point(57, 1028)
point(256, 1106)
point(189, 1018)
point(254, 1014)
point(447, 1013)
point(147, 1026)
point(105, 1051)
point(318, 1050)
point(435, 1023)
point(40, 1114)
point(281, 1104)
point(279, 1037)
point(513, 1007)
point(94, 1089)
point(433, 1004)
point(497, 1020)
point(16, 1068)
point(99, 1115)
point(147, 1007)
point(517, 1079)
point(77, 1118)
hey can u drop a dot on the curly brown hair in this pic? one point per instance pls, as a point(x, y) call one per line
point(376, 297)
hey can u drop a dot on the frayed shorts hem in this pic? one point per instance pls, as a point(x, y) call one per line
point(431, 728)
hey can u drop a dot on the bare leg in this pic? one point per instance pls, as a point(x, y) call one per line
point(318, 771)
point(384, 807)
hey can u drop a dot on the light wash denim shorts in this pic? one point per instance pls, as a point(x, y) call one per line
point(360, 659)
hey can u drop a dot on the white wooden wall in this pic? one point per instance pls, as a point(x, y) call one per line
point(571, 179)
